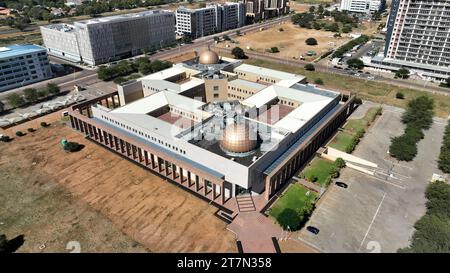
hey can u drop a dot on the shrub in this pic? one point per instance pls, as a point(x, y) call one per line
point(273, 49)
point(318, 81)
point(238, 53)
point(15, 100)
point(311, 41)
point(399, 95)
point(4, 138)
point(289, 219)
point(19, 133)
point(280, 29)
point(31, 130)
point(44, 124)
point(360, 133)
point(444, 155)
point(334, 172)
point(311, 178)
point(339, 162)
point(72, 147)
point(309, 67)
point(53, 88)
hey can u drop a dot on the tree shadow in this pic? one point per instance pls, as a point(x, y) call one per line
point(14, 244)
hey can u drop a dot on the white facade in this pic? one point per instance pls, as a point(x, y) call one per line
point(21, 65)
point(418, 37)
point(362, 6)
point(209, 20)
point(97, 41)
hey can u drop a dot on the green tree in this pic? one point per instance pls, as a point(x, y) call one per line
point(402, 73)
point(30, 94)
point(347, 29)
point(53, 88)
point(399, 95)
point(311, 41)
point(309, 67)
point(15, 100)
point(355, 63)
point(289, 219)
point(403, 148)
point(312, 9)
point(238, 53)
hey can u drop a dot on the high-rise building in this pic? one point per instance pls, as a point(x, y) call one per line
point(23, 64)
point(198, 22)
point(257, 10)
point(209, 20)
point(101, 40)
point(362, 6)
point(418, 37)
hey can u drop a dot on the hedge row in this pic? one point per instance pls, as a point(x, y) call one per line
point(444, 156)
point(348, 46)
point(418, 117)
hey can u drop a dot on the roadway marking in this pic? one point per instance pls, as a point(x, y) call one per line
point(307, 243)
point(373, 220)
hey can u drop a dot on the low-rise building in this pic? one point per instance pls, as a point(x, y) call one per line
point(362, 6)
point(216, 147)
point(21, 65)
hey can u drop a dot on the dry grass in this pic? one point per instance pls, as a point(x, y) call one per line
point(369, 90)
point(290, 41)
point(92, 196)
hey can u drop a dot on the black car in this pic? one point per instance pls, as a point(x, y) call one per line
point(341, 184)
point(313, 230)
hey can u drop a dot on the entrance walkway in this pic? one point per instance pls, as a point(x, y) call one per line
point(254, 230)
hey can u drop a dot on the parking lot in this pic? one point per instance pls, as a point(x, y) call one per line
point(377, 213)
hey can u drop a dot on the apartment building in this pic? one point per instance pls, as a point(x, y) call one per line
point(209, 20)
point(21, 65)
point(100, 40)
point(418, 39)
point(362, 6)
point(257, 10)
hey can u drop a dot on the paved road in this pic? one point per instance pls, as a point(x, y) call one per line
point(326, 69)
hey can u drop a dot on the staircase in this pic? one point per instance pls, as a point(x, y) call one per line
point(245, 203)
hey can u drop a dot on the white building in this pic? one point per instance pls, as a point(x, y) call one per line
point(417, 38)
point(21, 65)
point(209, 20)
point(362, 6)
point(100, 40)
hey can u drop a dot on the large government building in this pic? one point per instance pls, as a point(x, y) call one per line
point(216, 126)
point(100, 40)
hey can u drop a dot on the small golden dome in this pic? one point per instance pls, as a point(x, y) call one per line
point(208, 57)
point(237, 138)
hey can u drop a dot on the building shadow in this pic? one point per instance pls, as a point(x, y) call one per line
point(14, 244)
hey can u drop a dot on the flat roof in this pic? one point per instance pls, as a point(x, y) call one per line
point(311, 100)
point(253, 85)
point(137, 112)
point(269, 72)
point(164, 74)
point(14, 50)
point(122, 17)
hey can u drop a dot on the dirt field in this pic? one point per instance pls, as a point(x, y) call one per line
point(94, 196)
point(290, 41)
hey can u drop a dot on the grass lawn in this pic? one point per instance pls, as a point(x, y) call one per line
point(354, 125)
point(341, 141)
point(319, 168)
point(368, 90)
point(294, 198)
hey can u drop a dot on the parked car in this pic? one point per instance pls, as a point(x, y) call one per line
point(313, 230)
point(341, 184)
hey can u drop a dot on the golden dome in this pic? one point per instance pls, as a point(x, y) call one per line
point(208, 57)
point(237, 138)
